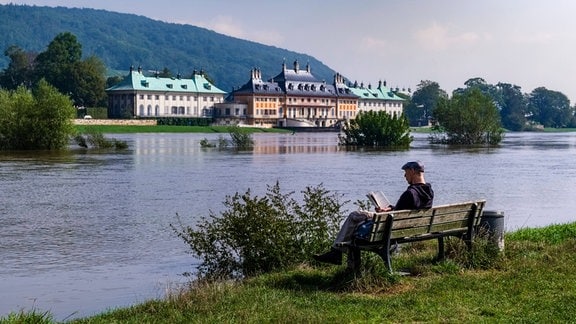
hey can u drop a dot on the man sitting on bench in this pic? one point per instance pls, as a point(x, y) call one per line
point(418, 195)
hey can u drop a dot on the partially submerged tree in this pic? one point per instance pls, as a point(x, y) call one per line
point(241, 138)
point(40, 119)
point(376, 129)
point(469, 117)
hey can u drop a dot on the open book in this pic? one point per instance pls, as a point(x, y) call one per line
point(378, 198)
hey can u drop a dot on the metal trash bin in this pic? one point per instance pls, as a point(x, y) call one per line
point(493, 222)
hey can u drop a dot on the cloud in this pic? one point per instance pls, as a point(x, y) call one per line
point(535, 38)
point(440, 37)
point(227, 25)
point(373, 43)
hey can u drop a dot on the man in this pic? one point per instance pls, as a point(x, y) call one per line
point(418, 195)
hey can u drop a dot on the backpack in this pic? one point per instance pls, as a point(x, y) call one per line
point(364, 229)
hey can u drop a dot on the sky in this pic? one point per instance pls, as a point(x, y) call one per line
point(527, 43)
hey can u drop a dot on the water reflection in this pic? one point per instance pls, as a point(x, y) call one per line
point(82, 231)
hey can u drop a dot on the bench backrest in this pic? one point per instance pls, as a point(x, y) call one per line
point(451, 218)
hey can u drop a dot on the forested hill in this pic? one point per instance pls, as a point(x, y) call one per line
point(121, 40)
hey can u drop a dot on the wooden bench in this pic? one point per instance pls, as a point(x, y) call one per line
point(403, 226)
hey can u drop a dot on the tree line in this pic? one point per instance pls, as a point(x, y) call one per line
point(518, 111)
point(62, 66)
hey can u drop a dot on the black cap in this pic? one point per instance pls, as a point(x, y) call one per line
point(414, 165)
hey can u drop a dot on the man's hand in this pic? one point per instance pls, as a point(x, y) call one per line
point(385, 209)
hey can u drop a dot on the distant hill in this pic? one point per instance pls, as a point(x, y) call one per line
point(121, 40)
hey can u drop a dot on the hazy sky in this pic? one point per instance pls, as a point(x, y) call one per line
point(523, 42)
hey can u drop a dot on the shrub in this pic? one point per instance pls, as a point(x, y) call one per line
point(255, 234)
point(40, 119)
point(205, 143)
point(376, 129)
point(241, 138)
point(99, 141)
point(468, 118)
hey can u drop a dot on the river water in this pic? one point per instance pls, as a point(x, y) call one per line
point(82, 232)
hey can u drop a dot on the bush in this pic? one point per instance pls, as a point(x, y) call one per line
point(256, 235)
point(376, 129)
point(468, 118)
point(40, 119)
point(99, 141)
point(241, 138)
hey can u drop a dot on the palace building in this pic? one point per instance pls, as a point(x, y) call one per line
point(295, 98)
point(151, 96)
point(378, 99)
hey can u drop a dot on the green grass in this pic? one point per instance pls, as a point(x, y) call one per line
point(122, 129)
point(532, 282)
point(559, 130)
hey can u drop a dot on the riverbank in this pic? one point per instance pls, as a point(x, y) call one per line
point(136, 128)
point(531, 282)
point(121, 126)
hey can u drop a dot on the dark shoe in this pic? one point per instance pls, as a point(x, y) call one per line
point(332, 257)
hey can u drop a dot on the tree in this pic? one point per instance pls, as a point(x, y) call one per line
point(377, 129)
point(549, 108)
point(484, 87)
point(40, 119)
point(55, 64)
point(20, 69)
point(512, 106)
point(61, 66)
point(88, 79)
point(469, 117)
point(424, 101)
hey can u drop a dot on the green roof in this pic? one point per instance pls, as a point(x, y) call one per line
point(137, 81)
point(380, 93)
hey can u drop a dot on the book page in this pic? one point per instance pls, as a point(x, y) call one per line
point(379, 199)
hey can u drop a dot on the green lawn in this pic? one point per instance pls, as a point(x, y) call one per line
point(532, 282)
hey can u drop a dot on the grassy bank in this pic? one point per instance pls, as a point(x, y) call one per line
point(123, 129)
point(533, 281)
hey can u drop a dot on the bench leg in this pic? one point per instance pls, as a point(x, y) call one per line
point(384, 253)
point(353, 259)
point(441, 248)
